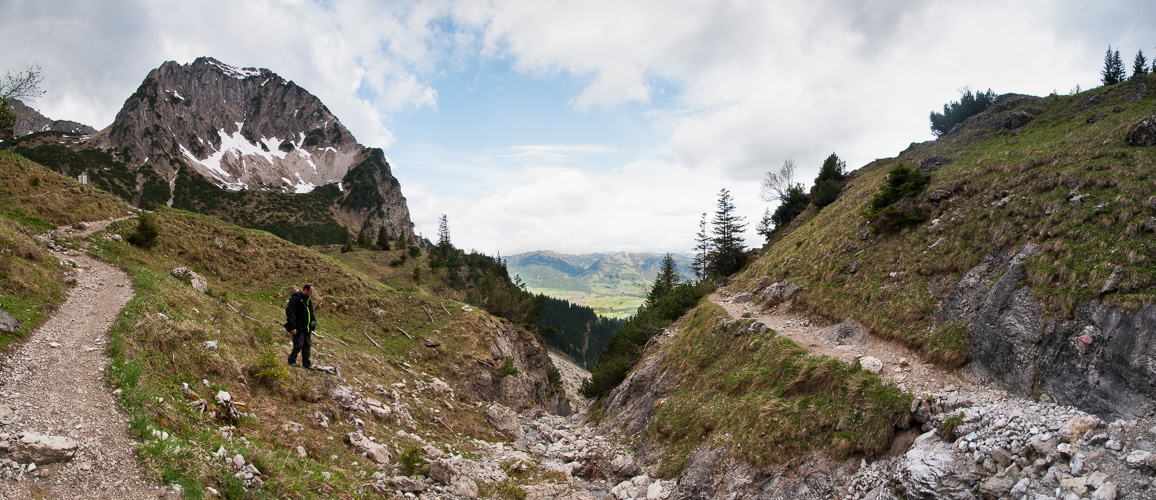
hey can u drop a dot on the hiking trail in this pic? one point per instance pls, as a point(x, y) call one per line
point(54, 384)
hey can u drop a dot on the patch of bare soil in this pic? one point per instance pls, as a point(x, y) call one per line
point(54, 384)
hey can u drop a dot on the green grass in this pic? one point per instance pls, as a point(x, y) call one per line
point(1034, 169)
point(763, 398)
point(253, 272)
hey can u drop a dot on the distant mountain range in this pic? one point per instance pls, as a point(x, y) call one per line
point(613, 284)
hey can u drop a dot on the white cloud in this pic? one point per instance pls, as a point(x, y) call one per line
point(730, 88)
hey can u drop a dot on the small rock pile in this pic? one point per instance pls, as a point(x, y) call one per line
point(987, 445)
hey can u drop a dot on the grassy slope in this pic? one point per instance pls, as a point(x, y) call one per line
point(254, 272)
point(36, 200)
point(762, 397)
point(1035, 168)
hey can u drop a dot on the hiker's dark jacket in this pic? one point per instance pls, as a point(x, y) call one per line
point(299, 314)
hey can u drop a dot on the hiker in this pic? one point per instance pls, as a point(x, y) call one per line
point(300, 323)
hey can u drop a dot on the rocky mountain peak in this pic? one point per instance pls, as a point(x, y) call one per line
point(28, 121)
point(243, 128)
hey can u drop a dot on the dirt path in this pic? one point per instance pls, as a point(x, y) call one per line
point(54, 384)
point(916, 377)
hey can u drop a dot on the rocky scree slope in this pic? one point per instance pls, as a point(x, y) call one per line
point(1034, 269)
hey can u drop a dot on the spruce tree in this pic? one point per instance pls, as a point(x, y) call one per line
point(702, 246)
point(382, 238)
point(668, 277)
point(727, 243)
point(766, 225)
point(1140, 64)
point(1113, 71)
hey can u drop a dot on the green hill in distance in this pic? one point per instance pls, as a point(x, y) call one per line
point(613, 284)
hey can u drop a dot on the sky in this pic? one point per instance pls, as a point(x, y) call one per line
point(590, 126)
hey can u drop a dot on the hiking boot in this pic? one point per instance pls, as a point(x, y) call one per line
point(293, 363)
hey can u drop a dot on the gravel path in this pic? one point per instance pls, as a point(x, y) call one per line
point(902, 365)
point(55, 384)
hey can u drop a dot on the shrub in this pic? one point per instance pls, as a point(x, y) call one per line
point(411, 463)
point(893, 207)
point(146, 233)
point(955, 112)
point(554, 376)
point(947, 428)
point(414, 251)
point(269, 370)
point(793, 204)
point(508, 368)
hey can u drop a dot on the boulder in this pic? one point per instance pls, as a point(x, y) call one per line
point(466, 487)
point(42, 449)
point(1141, 460)
point(361, 444)
point(929, 470)
point(443, 472)
point(871, 364)
point(8, 322)
point(504, 420)
point(777, 293)
point(932, 163)
point(849, 332)
point(938, 195)
point(407, 484)
point(1014, 120)
point(742, 298)
point(1144, 133)
point(194, 280)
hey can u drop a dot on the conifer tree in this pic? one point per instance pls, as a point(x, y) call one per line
point(1113, 71)
point(382, 238)
point(727, 242)
point(766, 225)
point(1140, 64)
point(668, 277)
point(444, 232)
point(702, 246)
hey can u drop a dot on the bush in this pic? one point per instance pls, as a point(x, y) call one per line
point(414, 251)
point(894, 206)
point(956, 112)
point(554, 376)
point(792, 205)
point(146, 233)
point(412, 463)
point(269, 370)
point(825, 192)
point(508, 368)
point(947, 428)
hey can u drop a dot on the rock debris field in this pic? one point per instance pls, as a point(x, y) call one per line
point(62, 434)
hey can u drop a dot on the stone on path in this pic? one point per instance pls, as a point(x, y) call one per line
point(42, 449)
point(871, 364)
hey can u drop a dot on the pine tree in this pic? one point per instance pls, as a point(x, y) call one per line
point(382, 238)
point(766, 225)
point(702, 246)
point(668, 277)
point(1113, 71)
point(1140, 64)
point(727, 243)
point(444, 232)
point(363, 239)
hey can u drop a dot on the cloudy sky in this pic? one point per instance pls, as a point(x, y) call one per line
point(590, 125)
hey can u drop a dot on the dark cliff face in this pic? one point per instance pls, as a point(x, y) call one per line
point(250, 130)
point(1103, 360)
point(29, 120)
